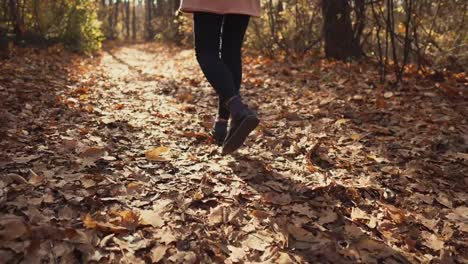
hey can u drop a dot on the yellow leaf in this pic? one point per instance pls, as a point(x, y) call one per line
point(355, 137)
point(401, 28)
point(156, 154)
point(198, 196)
point(340, 121)
point(89, 222)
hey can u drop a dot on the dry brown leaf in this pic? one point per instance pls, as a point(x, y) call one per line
point(12, 227)
point(260, 214)
point(329, 217)
point(93, 153)
point(301, 234)
point(185, 257)
point(77, 236)
point(157, 154)
point(432, 241)
point(158, 253)
point(166, 235)
point(304, 210)
point(279, 199)
point(353, 231)
point(284, 258)
point(13, 177)
point(237, 254)
point(90, 223)
point(256, 242)
point(149, 217)
point(429, 223)
point(396, 214)
point(460, 216)
point(128, 218)
point(36, 179)
point(357, 213)
point(216, 216)
point(444, 200)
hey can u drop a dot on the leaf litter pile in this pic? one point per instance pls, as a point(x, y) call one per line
point(108, 160)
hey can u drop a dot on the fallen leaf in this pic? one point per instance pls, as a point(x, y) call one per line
point(36, 179)
point(284, 258)
point(149, 217)
point(90, 223)
point(129, 218)
point(166, 235)
point(329, 217)
point(237, 254)
point(186, 257)
point(158, 253)
point(432, 241)
point(12, 227)
point(357, 213)
point(156, 154)
point(216, 216)
point(444, 200)
point(301, 234)
point(257, 243)
point(356, 137)
point(276, 198)
point(90, 155)
point(260, 214)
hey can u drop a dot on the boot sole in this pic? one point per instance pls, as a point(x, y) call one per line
point(239, 136)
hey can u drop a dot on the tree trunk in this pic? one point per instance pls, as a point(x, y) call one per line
point(4, 44)
point(134, 20)
point(110, 19)
point(127, 19)
point(15, 18)
point(149, 20)
point(340, 42)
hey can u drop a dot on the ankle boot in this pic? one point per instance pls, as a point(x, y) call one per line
point(219, 131)
point(243, 122)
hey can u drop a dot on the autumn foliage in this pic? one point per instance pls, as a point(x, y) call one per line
point(109, 160)
point(106, 154)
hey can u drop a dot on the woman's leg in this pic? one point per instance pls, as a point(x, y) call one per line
point(207, 28)
point(234, 28)
point(233, 32)
point(207, 46)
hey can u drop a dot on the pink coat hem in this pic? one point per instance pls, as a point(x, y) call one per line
point(245, 7)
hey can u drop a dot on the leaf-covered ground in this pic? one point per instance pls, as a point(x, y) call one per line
point(108, 160)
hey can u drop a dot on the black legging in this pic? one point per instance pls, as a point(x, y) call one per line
point(218, 44)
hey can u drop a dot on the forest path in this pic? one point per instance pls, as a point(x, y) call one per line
point(341, 170)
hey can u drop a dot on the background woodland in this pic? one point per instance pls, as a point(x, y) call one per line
point(394, 32)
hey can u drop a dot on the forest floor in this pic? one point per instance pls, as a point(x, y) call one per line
point(108, 159)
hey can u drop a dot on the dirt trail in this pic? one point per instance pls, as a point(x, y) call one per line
point(338, 172)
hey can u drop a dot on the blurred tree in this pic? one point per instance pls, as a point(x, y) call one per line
point(395, 32)
point(341, 40)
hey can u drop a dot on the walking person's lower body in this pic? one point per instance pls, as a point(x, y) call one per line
point(218, 46)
